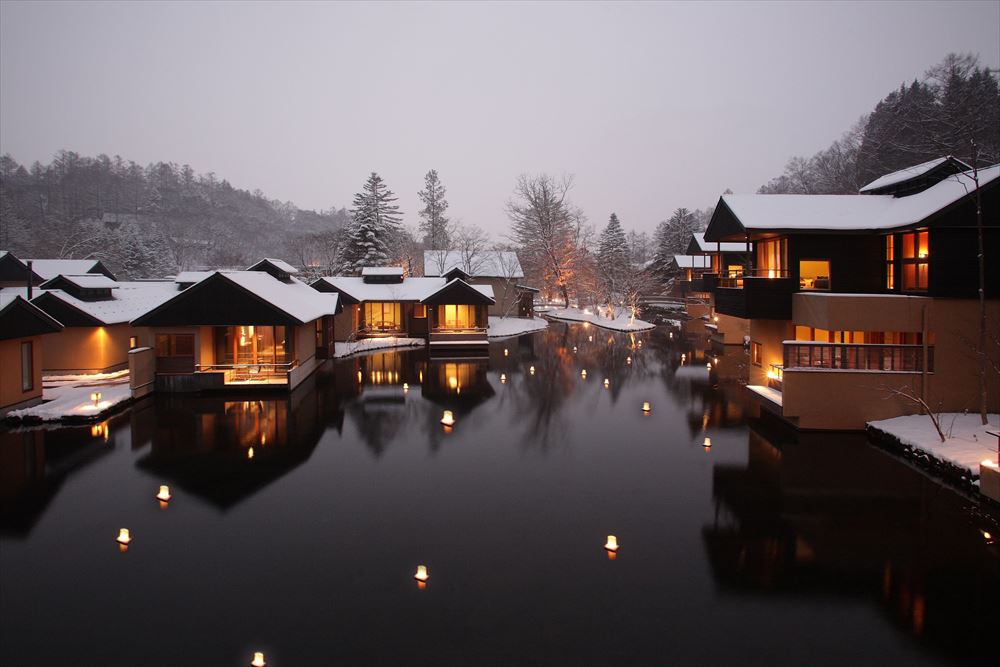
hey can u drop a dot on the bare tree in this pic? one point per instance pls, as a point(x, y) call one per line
point(471, 243)
point(509, 268)
point(903, 393)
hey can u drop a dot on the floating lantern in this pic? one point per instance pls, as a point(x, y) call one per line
point(406, 387)
point(590, 339)
point(532, 370)
point(421, 574)
point(164, 495)
point(249, 453)
point(612, 544)
point(709, 365)
point(574, 349)
point(628, 360)
point(503, 378)
point(258, 660)
point(671, 335)
point(123, 537)
point(708, 443)
point(646, 407)
point(506, 352)
point(640, 343)
point(607, 383)
point(95, 397)
point(448, 419)
point(583, 373)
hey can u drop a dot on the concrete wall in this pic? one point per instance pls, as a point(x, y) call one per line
point(845, 400)
point(141, 371)
point(11, 396)
point(770, 334)
point(730, 330)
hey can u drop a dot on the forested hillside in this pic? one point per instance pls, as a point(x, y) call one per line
point(957, 102)
point(149, 221)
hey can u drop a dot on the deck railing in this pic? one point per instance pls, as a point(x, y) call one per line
point(737, 281)
point(860, 357)
point(261, 372)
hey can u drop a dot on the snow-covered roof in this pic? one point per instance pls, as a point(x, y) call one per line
point(483, 264)
point(909, 173)
point(410, 289)
point(191, 277)
point(87, 281)
point(382, 271)
point(456, 282)
point(47, 269)
point(295, 298)
point(851, 212)
point(708, 246)
point(279, 264)
point(693, 261)
point(130, 300)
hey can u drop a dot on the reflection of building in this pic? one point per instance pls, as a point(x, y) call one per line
point(854, 298)
point(814, 518)
point(225, 450)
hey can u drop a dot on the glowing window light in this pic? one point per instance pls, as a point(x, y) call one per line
point(258, 660)
point(123, 537)
point(448, 419)
point(421, 574)
point(164, 494)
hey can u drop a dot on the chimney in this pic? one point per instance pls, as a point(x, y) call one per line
point(29, 280)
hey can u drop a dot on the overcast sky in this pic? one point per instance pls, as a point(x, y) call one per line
point(650, 106)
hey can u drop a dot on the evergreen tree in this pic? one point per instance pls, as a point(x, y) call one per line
point(613, 258)
point(433, 223)
point(672, 238)
point(374, 229)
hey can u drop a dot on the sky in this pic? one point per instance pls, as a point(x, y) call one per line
point(649, 106)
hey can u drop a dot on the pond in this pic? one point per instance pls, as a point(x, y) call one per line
point(297, 522)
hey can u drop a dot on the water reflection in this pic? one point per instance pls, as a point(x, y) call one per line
point(827, 516)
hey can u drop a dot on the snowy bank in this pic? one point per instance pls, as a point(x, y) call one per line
point(72, 402)
point(368, 344)
point(959, 456)
point(621, 322)
point(502, 327)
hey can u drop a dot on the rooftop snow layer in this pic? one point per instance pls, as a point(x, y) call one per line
point(484, 264)
point(295, 298)
point(411, 289)
point(908, 173)
point(191, 277)
point(130, 300)
point(382, 271)
point(47, 269)
point(708, 246)
point(851, 212)
point(88, 281)
point(280, 264)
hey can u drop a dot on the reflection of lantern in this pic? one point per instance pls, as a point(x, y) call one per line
point(607, 383)
point(250, 453)
point(406, 387)
point(612, 544)
point(503, 378)
point(671, 335)
point(645, 407)
point(421, 574)
point(532, 370)
point(448, 419)
point(258, 660)
point(123, 536)
point(164, 494)
point(583, 373)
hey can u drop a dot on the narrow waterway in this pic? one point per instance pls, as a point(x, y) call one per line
point(297, 523)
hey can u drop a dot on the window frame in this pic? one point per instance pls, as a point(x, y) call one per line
point(756, 354)
point(27, 378)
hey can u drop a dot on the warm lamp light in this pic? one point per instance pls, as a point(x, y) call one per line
point(532, 370)
point(258, 660)
point(359, 377)
point(448, 419)
point(989, 463)
point(574, 349)
point(645, 407)
point(709, 365)
point(164, 494)
point(123, 536)
point(612, 544)
point(503, 378)
point(715, 360)
point(452, 382)
point(684, 357)
point(95, 397)
point(406, 387)
point(607, 383)
point(583, 373)
point(506, 352)
point(628, 360)
point(708, 443)
point(421, 574)
point(249, 453)
point(671, 335)
point(590, 339)
point(716, 318)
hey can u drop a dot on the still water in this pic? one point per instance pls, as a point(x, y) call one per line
point(762, 549)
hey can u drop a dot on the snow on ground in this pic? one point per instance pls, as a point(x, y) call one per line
point(84, 378)
point(967, 442)
point(366, 344)
point(73, 400)
point(621, 321)
point(502, 327)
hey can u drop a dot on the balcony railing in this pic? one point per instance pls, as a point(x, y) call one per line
point(857, 357)
point(737, 281)
point(263, 373)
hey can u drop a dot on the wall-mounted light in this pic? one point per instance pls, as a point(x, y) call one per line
point(583, 373)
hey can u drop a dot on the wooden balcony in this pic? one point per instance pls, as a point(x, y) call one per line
point(764, 297)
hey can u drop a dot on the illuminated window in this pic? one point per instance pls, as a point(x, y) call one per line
point(814, 274)
point(890, 262)
point(27, 366)
point(915, 264)
point(382, 315)
point(756, 353)
point(734, 270)
point(133, 342)
point(772, 258)
point(459, 316)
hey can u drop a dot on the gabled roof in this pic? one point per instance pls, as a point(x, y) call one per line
point(458, 291)
point(128, 301)
point(86, 281)
point(20, 318)
point(279, 264)
point(410, 289)
point(483, 264)
point(693, 261)
point(47, 269)
point(948, 164)
point(698, 244)
point(241, 297)
point(737, 215)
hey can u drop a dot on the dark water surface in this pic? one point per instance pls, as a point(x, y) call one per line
point(761, 550)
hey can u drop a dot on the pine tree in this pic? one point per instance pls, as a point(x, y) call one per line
point(374, 229)
point(613, 258)
point(433, 223)
point(672, 238)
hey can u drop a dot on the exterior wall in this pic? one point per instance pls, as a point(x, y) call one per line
point(90, 349)
point(845, 400)
point(851, 312)
point(11, 396)
point(505, 303)
point(696, 309)
point(730, 330)
point(141, 371)
point(770, 334)
point(346, 323)
point(305, 353)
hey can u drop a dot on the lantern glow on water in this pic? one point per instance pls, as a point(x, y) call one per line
point(123, 537)
point(583, 373)
point(258, 660)
point(607, 383)
point(421, 574)
point(164, 495)
point(448, 419)
point(503, 378)
point(646, 407)
point(708, 443)
point(612, 543)
point(532, 370)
